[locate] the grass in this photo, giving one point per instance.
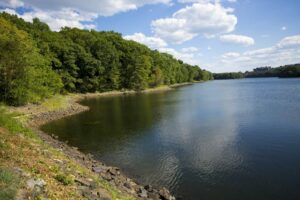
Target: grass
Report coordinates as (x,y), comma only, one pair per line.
(65,179)
(8,185)
(55,103)
(8,120)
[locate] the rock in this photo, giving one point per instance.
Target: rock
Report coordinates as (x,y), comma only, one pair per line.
(149,188)
(32,183)
(165,194)
(143,193)
(127,185)
(106,176)
(83,182)
(58,161)
(153,196)
(89,195)
(114,171)
(98,169)
(103,194)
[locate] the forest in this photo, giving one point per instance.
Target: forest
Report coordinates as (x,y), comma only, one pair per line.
(286,71)
(36,63)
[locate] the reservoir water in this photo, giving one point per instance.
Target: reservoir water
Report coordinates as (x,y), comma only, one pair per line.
(219,140)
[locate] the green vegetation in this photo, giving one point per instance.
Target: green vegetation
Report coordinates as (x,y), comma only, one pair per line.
(287,71)
(8,185)
(65,179)
(229,75)
(8,120)
(36,63)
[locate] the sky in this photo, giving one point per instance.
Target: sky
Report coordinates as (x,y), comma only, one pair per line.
(217,35)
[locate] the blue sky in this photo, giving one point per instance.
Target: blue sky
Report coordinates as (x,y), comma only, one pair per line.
(218,35)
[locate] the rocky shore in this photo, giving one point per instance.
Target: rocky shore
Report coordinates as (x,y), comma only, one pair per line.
(113,175)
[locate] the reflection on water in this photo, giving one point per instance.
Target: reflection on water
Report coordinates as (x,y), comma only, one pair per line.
(219,140)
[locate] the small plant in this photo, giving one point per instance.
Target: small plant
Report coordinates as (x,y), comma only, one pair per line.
(8,185)
(66,180)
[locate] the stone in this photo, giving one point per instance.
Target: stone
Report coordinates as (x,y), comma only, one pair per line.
(165,194)
(127,185)
(98,169)
(114,171)
(32,183)
(83,182)
(106,176)
(153,196)
(143,193)
(149,188)
(58,161)
(103,194)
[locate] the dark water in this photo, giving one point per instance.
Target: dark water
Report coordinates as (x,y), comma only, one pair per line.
(234,139)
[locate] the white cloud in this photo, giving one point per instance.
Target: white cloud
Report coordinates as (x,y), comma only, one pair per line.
(231,55)
(74,13)
(152,42)
(188,55)
(101,7)
(189,49)
(11,3)
(237,39)
(290,41)
(283,28)
(284,52)
(199,18)
(58,19)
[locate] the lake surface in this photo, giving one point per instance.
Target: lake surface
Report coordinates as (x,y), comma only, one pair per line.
(231,139)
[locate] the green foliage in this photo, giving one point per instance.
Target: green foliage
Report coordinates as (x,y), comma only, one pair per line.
(25,75)
(8,185)
(287,71)
(229,75)
(8,120)
(66,180)
(36,63)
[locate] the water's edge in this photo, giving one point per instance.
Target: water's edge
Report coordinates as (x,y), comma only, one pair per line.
(109,173)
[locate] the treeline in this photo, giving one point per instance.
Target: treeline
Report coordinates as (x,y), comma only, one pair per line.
(228,75)
(36,63)
(287,71)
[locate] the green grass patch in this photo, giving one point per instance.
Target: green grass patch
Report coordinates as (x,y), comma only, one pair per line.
(65,179)
(8,185)
(56,102)
(8,120)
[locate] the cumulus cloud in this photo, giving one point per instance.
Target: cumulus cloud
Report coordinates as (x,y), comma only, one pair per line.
(74,13)
(286,51)
(290,41)
(237,39)
(101,7)
(188,55)
(199,18)
(152,42)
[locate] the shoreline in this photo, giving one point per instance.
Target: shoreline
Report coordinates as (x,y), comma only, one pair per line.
(37,116)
